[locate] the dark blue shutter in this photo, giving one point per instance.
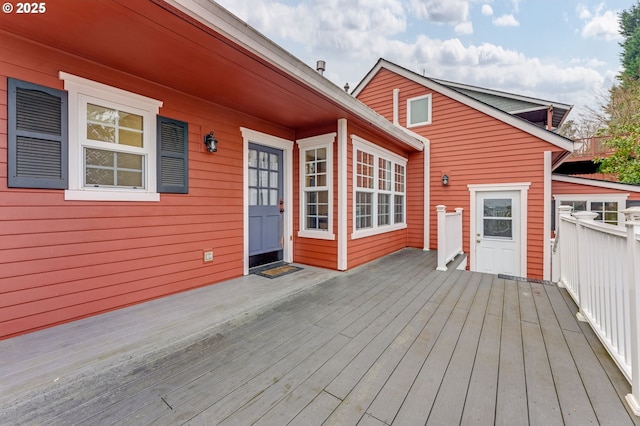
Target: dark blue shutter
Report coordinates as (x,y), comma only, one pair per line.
(38,136)
(173,156)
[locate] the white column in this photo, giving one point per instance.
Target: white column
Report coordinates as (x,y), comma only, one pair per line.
(342,194)
(632,217)
(441,211)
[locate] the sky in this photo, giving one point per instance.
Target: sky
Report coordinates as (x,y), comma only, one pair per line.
(559,50)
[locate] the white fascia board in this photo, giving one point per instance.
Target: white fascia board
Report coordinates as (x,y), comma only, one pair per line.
(505,117)
(239,32)
(596,183)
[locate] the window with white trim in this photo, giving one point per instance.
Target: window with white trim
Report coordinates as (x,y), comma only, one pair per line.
(379,189)
(112,143)
(316,187)
(608,206)
(419,111)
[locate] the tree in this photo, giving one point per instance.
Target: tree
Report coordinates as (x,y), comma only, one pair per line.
(623,127)
(623,109)
(630,31)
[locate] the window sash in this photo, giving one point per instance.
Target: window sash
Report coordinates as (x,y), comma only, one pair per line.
(379,192)
(419,111)
(316,181)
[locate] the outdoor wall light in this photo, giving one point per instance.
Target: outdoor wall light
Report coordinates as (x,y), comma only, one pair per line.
(211,142)
(445,180)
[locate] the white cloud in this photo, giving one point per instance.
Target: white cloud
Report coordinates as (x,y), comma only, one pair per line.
(600,24)
(583,12)
(444,11)
(351,37)
(506,21)
(589,62)
(487,10)
(464,28)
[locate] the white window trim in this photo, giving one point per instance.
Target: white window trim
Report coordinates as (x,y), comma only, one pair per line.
(360,144)
(621,199)
(80,90)
(422,123)
(321,141)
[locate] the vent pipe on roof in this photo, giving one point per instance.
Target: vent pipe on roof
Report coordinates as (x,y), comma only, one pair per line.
(320,67)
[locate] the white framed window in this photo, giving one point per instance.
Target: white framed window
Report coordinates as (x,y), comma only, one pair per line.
(316,187)
(608,206)
(112,143)
(378,189)
(419,111)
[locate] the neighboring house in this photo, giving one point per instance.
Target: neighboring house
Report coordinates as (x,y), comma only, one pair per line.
(110,197)
(484,157)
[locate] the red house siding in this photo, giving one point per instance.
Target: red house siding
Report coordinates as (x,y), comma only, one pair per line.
(64,260)
(471,148)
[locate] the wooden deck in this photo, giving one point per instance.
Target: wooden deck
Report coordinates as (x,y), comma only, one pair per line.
(394,342)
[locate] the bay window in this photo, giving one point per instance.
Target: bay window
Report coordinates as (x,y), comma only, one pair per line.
(379,189)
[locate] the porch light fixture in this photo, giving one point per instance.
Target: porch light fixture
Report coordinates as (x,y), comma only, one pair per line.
(211,142)
(445,180)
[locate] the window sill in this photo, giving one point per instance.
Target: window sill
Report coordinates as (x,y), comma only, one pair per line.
(106,195)
(363,233)
(318,235)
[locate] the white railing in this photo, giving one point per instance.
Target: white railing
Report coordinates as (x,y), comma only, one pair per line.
(449,236)
(600,268)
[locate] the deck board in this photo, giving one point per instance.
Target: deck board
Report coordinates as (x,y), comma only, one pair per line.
(511,405)
(573,398)
(393,342)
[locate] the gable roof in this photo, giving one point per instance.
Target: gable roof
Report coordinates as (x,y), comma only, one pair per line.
(474,102)
(531,109)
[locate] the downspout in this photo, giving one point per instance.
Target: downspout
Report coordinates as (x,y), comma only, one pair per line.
(396,97)
(550,118)
(427,193)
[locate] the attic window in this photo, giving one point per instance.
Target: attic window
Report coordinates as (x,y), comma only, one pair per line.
(419,111)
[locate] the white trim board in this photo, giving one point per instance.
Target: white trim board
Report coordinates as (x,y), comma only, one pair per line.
(286,146)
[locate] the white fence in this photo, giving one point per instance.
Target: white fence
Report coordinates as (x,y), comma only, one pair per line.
(449,235)
(600,268)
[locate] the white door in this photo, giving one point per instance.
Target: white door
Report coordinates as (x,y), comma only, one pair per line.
(497,236)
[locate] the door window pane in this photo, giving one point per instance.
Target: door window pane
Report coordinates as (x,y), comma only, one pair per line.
(498,222)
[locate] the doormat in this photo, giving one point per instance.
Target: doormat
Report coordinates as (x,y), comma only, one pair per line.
(275,270)
(530,280)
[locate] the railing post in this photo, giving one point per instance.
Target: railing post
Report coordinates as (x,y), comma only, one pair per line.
(583,276)
(632,217)
(441,212)
(564,211)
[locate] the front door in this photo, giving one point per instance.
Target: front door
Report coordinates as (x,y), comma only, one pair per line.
(266,205)
(497,236)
